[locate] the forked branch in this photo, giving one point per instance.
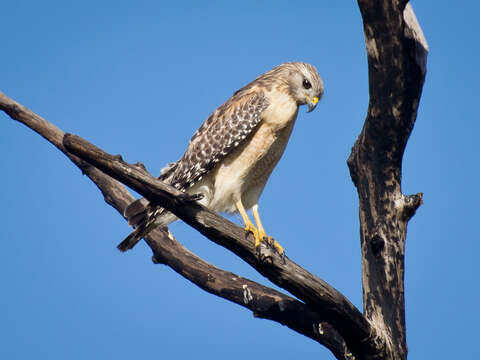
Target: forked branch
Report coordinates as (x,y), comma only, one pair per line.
(317,294)
(263,301)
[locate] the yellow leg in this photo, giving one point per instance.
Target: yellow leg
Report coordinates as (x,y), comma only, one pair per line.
(261,231)
(246,220)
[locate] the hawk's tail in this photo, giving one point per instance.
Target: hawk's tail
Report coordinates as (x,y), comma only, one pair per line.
(144,218)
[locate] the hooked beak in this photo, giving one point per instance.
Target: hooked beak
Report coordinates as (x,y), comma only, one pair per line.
(312,103)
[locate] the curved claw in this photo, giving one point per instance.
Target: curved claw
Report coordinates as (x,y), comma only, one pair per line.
(270,241)
(249,227)
(274,247)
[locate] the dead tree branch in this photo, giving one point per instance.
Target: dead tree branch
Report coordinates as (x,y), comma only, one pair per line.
(397,52)
(316,293)
(263,301)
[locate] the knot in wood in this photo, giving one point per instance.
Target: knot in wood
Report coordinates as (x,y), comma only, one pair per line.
(140,166)
(118,157)
(377,244)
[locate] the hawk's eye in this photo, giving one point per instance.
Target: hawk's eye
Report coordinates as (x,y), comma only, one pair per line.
(306,84)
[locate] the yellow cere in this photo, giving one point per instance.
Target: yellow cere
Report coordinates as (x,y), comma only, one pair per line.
(315,100)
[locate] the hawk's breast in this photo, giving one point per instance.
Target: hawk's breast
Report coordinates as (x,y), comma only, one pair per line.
(243,173)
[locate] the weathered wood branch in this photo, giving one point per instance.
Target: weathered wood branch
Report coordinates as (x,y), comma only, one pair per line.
(325,300)
(263,301)
(397,53)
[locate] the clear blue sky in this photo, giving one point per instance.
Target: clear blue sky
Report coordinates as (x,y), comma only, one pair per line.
(138,78)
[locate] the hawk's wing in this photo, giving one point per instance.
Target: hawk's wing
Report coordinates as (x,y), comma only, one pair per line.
(222,132)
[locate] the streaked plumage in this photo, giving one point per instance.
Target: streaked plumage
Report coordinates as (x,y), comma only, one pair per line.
(231,156)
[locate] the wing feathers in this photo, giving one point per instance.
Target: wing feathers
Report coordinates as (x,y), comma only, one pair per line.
(223,131)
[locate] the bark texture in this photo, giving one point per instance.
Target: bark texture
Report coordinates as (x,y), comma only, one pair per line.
(397,53)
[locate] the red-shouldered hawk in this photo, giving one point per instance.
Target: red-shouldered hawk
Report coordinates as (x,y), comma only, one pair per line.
(231,156)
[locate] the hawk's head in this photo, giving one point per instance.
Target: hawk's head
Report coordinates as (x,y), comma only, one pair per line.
(300,80)
(304,83)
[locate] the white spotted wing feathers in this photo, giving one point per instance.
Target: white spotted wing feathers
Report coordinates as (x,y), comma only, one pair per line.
(223,131)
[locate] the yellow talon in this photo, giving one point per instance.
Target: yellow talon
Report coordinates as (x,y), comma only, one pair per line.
(259,234)
(270,242)
(249,227)
(279,248)
(259,238)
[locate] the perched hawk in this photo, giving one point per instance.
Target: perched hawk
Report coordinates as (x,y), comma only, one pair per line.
(231,156)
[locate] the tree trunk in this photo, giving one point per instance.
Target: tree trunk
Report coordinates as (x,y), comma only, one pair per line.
(397,54)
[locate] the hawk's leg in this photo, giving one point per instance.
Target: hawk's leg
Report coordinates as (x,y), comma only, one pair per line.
(262,236)
(246,220)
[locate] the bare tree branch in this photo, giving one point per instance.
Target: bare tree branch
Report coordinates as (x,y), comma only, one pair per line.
(397,52)
(265,302)
(316,293)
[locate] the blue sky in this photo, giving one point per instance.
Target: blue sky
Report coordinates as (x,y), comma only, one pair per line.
(138,79)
